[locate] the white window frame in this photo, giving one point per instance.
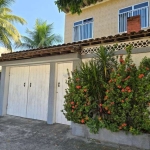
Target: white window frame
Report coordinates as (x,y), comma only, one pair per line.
(132,15)
(82,30)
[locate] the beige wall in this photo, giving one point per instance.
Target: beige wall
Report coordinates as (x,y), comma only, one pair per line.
(137,58)
(105,18)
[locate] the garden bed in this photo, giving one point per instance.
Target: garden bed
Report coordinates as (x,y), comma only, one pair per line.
(120,138)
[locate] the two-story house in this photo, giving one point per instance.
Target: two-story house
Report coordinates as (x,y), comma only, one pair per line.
(33,82)
(108,17)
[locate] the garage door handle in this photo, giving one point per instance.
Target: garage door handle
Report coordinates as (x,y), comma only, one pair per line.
(24,84)
(30,84)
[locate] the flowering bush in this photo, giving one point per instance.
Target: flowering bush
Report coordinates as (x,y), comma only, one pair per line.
(102,93)
(128,95)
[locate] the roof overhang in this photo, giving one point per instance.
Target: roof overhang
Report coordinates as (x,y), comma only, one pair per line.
(74,47)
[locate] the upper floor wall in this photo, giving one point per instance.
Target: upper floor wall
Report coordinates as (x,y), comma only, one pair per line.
(104,19)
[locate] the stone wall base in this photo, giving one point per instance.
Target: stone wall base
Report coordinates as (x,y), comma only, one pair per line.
(119,138)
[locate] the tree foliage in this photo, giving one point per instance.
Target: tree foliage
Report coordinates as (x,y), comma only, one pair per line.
(74,6)
(8,32)
(41,36)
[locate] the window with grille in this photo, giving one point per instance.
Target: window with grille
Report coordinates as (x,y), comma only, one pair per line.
(83,29)
(141,9)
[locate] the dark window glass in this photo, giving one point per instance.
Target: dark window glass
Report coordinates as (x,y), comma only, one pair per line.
(125,9)
(77,23)
(140,5)
(88,20)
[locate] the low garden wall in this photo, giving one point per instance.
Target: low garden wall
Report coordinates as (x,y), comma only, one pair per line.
(120,138)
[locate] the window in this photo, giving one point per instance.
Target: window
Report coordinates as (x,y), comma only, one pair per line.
(139,9)
(83,29)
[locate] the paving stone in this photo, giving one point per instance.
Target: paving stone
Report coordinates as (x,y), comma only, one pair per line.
(26,134)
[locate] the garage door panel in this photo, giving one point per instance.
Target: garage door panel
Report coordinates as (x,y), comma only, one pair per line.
(62,76)
(37,105)
(17,97)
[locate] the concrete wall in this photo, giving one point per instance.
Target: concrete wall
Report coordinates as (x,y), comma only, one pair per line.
(119,139)
(105,18)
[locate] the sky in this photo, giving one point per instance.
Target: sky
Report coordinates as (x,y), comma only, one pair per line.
(30,10)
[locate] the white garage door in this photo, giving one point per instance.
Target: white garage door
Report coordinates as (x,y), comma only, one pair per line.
(18,86)
(28,92)
(62,76)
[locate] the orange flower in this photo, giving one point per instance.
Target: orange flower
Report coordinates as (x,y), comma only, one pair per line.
(110,81)
(106,97)
(85,90)
(122,101)
(82,121)
(109,112)
(127,88)
(141,76)
(124,125)
(123,90)
(78,87)
(112,103)
(72,110)
(129,91)
(72,103)
(119,86)
(147,68)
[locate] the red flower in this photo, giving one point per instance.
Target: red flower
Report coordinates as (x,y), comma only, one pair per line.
(73,107)
(129,91)
(123,90)
(82,121)
(124,125)
(119,86)
(100,105)
(78,87)
(85,90)
(72,103)
(109,112)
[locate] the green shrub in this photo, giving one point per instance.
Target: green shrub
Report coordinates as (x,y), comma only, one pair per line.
(105,94)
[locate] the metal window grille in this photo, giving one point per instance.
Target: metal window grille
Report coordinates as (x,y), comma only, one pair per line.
(139,9)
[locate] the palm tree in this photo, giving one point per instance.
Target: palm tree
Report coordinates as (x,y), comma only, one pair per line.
(8,32)
(40,37)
